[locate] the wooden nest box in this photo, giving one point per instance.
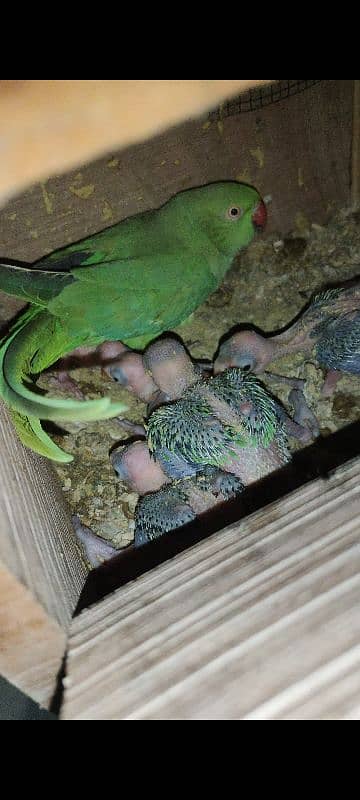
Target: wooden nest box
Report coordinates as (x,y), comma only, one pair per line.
(257,618)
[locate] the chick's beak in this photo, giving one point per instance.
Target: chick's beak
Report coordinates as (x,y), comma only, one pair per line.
(259,216)
(220,365)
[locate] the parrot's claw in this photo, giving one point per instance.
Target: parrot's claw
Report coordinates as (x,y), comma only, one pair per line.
(296,383)
(62,380)
(219,483)
(131,427)
(332,377)
(95,549)
(304,416)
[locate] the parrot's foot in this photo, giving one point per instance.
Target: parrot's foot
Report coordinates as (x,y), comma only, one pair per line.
(103,356)
(95,549)
(160,512)
(296,383)
(131,427)
(62,380)
(304,417)
(80,357)
(219,483)
(227,485)
(332,377)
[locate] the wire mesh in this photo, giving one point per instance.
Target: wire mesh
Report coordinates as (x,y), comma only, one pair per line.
(258,98)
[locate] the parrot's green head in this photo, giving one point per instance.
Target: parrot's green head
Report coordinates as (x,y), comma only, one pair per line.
(230,212)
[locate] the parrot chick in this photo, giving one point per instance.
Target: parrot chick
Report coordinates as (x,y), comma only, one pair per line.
(134,465)
(162,374)
(129,371)
(167,507)
(171,367)
(230,422)
(182,502)
(330,325)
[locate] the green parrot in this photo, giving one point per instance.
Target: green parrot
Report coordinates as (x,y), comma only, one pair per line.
(130,282)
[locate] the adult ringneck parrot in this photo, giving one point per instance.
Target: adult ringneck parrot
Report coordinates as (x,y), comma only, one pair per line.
(130,282)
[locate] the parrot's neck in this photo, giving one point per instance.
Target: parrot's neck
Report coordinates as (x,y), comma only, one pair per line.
(295,339)
(227,250)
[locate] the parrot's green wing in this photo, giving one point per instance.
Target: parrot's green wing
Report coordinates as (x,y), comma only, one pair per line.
(32,285)
(40,282)
(135,297)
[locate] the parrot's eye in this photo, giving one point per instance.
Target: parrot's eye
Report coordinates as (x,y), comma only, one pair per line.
(234,212)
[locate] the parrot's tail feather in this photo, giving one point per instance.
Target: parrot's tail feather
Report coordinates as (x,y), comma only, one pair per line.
(33,436)
(31,284)
(28,408)
(17,395)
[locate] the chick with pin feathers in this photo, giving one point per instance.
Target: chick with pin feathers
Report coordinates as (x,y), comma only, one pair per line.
(211,439)
(163,506)
(170,370)
(177,504)
(212,414)
(215,437)
(229,421)
(330,326)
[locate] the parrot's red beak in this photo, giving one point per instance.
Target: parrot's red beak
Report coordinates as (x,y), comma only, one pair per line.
(259,216)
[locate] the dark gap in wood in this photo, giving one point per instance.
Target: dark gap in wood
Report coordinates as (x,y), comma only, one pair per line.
(58,695)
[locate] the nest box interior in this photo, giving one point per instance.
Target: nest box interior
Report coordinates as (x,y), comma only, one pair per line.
(295,142)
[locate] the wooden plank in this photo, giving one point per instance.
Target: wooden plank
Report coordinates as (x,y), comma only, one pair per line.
(50,126)
(355,150)
(32,644)
(260,621)
(41,570)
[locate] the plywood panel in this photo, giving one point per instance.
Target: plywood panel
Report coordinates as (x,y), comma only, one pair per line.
(41,570)
(261,621)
